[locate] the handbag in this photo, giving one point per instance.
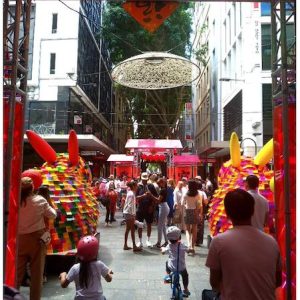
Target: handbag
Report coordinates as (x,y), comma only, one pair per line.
(177,216)
(46,237)
(210,295)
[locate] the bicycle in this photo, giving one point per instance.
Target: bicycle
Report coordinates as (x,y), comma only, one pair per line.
(175,286)
(174,279)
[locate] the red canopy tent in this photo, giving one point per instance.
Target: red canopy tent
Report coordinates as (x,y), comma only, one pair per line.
(121,165)
(157,148)
(185,166)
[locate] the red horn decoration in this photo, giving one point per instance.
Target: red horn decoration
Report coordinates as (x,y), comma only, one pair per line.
(73,147)
(43,149)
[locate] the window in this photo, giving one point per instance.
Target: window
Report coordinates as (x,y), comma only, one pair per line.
(234,18)
(229,28)
(52,63)
(42,116)
(233,118)
(54,23)
(265,9)
(266,46)
(267,112)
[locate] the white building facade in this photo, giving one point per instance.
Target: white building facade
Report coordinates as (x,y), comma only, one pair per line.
(239,64)
(69,83)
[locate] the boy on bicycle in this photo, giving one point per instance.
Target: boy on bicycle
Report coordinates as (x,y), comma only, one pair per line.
(176,261)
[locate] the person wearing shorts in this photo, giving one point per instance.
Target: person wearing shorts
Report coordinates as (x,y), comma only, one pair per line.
(192,201)
(146,207)
(129,215)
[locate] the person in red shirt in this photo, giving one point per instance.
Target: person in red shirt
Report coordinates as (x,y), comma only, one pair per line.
(96,189)
(112,195)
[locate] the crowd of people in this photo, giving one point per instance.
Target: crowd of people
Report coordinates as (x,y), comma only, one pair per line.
(244,262)
(156,200)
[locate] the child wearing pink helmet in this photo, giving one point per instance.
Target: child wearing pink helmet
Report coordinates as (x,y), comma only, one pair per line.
(87,273)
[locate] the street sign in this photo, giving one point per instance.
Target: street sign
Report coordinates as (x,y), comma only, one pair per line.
(150,14)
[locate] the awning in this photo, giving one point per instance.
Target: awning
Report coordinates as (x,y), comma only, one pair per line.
(186,160)
(120,158)
(151,144)
(86,142)
(214,149)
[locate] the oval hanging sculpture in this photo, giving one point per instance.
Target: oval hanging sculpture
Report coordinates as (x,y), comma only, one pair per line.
(155,71)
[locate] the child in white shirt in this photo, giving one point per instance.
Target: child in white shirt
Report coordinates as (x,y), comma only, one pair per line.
(176,261)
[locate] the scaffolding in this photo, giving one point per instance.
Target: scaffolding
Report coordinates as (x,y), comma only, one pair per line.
(284,94)
(16,26)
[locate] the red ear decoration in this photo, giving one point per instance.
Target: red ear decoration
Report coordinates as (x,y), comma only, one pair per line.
(73,148)
(42,148)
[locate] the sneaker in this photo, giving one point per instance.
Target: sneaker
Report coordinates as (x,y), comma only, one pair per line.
(148,243)
(139,224)
(139,244)
(185,294)
(167,279)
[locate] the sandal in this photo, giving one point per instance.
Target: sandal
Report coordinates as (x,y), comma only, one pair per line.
(157,245)
(127,248)
(137,249)
(186,293)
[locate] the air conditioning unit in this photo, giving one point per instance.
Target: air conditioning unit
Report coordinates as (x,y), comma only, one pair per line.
(255,125)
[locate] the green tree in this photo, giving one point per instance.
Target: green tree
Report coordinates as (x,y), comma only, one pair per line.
(157,112)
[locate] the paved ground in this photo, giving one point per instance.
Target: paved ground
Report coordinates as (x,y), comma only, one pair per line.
(136,276)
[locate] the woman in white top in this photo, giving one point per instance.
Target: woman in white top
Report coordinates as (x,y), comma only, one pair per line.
(129,213)
(192,201)
(179,209)
(33,210)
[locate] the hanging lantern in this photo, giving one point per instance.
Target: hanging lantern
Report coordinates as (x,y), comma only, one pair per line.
(155,71)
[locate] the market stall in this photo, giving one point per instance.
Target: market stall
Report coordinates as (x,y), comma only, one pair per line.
(121,165)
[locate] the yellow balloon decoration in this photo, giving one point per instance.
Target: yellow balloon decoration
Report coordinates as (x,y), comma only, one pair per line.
(231,176)
(265,154)
(235,151)
(272,184)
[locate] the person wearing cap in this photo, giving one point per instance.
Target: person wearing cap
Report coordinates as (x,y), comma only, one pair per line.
(111,178)
(176,262)
(88,272)
(146,207)
(261,208)
(33,209)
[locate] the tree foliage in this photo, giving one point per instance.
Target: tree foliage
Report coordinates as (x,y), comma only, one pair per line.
(157,112)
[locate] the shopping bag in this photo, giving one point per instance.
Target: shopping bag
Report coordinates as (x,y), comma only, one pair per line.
(177,217)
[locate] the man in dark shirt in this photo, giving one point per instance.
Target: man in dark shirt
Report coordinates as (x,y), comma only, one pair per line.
(146,207)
